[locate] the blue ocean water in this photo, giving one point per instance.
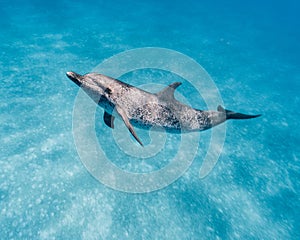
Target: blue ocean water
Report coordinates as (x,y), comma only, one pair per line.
(250,48)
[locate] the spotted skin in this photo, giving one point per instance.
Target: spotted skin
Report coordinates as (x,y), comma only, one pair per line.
(147,110)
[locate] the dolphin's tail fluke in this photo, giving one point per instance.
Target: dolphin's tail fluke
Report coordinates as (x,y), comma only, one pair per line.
(235,115)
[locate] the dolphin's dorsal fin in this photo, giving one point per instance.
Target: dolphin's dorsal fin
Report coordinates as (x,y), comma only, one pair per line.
(168,92)
(109,119)
(125,119)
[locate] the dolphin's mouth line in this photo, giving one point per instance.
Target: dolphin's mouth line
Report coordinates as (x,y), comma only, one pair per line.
(92,84)
(74,77)
(79,80)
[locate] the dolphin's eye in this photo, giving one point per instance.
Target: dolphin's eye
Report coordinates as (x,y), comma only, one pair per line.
(108,91)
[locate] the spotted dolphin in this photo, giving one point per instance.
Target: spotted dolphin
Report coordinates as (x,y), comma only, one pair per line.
(143,109)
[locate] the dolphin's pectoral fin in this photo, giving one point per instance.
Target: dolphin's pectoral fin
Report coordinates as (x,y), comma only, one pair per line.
(109,119)
(125,119)
(168,92)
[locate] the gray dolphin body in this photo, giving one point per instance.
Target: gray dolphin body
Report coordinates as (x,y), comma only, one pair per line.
(142,109)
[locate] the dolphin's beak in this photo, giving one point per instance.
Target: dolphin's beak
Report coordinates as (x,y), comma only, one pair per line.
(75,77)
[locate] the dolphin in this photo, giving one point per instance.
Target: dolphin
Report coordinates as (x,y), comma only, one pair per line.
(143,109)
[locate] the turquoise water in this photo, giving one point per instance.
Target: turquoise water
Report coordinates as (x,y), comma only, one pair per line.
(251,50)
